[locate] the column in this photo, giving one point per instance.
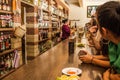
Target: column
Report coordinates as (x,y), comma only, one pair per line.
(32,32)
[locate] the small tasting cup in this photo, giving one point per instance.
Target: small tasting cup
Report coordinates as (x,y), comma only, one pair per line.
(81,53)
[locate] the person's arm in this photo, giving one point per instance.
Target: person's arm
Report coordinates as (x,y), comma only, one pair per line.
(99,62)
(101,57)
(114,76)
(95,61)
(106,75)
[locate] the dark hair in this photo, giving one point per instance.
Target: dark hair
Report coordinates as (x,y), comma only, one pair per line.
(92,16)
(104,46)
(64,21)
(108,16)
(94,23)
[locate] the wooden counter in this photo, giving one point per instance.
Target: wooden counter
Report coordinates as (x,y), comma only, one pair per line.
(49,65)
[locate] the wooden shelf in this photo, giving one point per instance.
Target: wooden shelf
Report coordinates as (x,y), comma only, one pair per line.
(6,29)
(11,71)
(54,27)
(46,19)
(55,20)
(8,51)
(45,10)
(43,40)
(6,12)
(1,77)
(44,28)
(27,3)
(55,14)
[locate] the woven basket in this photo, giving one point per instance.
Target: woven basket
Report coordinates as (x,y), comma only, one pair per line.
(15,43)
(20,31)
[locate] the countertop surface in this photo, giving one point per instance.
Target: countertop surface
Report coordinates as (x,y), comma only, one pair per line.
(49,65)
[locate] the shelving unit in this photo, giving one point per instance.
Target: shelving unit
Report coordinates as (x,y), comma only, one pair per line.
(8,51)
(55,15)
(6,29)
(46,28)
(6,12)
(7,74)
(7,54)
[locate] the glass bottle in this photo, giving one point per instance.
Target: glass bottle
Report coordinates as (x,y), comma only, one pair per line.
(9,41)
(2,65)
(0,4)
(4,4)
(2,41)
(7,6)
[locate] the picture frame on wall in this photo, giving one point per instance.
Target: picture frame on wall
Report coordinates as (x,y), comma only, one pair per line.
(91,10)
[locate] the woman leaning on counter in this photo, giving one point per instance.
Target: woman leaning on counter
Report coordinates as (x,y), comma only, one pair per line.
(100,45)
(108,18)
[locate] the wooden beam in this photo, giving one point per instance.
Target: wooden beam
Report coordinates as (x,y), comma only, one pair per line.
(80,3)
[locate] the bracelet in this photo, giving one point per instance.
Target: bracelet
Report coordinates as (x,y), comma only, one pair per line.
(92,59)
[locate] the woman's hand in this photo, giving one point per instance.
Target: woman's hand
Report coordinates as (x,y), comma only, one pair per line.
(106,75)
(86,58)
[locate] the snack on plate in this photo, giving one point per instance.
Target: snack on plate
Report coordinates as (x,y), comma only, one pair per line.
(80,45)
(64,77)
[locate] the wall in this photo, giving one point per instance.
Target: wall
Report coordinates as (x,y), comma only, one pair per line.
(80,13)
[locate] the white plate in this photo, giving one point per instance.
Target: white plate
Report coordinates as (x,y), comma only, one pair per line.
(74,71)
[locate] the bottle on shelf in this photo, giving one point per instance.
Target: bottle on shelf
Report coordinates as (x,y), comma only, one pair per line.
(4,5)
(9,41)
(2,42)
(7,5)
(0,4)
(12,60)
(2,21)
(6,21)
(2,65)
(6,42)
(6,63)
